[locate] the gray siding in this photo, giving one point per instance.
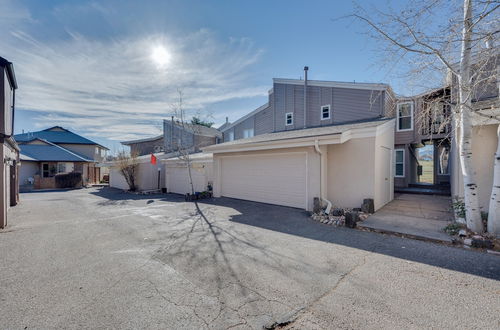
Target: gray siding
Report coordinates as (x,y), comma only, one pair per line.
(264,121)
(346,104)
(225,135)
(246,124)
(177,138)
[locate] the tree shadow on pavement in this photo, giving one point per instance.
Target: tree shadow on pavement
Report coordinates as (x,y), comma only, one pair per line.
(205,232)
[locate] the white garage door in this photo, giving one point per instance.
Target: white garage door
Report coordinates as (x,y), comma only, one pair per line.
(272,178)
(178,180)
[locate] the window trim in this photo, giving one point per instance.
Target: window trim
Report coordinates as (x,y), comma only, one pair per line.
(329,112)
(286,118)
(48,170)
(396,162)
(411,116)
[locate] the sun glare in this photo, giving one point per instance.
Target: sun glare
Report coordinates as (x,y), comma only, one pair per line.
(160,56)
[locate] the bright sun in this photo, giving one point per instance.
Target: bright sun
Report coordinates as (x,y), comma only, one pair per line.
(160,56)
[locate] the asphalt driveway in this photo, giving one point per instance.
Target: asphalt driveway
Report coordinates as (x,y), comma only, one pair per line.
(100,258)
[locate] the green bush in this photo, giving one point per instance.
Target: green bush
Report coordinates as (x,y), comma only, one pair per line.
(459,207)
(68,180)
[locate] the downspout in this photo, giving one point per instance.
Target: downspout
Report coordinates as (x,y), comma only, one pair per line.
(305,95)
(328,203)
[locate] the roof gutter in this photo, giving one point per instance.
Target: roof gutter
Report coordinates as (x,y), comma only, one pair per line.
(328,203)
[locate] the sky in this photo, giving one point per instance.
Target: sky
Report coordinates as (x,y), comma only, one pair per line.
(111,70)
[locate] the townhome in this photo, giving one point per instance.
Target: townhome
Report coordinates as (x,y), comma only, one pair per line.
(422,143)
(312,139)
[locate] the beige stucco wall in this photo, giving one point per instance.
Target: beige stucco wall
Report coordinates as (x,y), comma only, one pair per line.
(147,177)
(86,150)
(28,169)
(6,152)
(351,172)
(484,144)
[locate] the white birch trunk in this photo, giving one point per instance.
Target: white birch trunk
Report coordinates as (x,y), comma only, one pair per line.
(494,208)
(472,212)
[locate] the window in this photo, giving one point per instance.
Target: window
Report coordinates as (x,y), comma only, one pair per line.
(405,116)
(248,133)
(325,112)
(289,118)
(97,150)
(61,167)
(45,170)
(399,163)
(231,136)
(48,170)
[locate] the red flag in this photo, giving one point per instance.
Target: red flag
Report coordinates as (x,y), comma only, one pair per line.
(153,159)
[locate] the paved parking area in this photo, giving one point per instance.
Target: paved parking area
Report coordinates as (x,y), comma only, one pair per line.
(100,258)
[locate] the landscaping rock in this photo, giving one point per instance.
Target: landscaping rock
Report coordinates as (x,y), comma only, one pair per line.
(350,219)
(482,243)
(462,233)
(368,206)
(468,241)
(337,212)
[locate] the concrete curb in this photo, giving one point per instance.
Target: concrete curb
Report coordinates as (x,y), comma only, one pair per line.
(404,235)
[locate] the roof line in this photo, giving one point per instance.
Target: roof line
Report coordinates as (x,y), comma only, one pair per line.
(327,83)
(142,140)
(68,151)
(248,115)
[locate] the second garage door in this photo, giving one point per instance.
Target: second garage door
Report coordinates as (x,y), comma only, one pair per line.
(178,180)
(269,178)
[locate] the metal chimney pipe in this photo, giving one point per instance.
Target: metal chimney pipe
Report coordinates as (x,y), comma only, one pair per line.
(172,133)
(305,95)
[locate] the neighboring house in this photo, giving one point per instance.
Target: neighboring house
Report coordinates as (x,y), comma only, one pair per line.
(42,160)
(146,146)
(176,137)
(9,153)
(322,139)
(58,150)
(188,137)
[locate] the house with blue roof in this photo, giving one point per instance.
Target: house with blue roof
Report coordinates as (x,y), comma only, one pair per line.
(55,150)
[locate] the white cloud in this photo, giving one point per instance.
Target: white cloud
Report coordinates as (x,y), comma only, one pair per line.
(110,87)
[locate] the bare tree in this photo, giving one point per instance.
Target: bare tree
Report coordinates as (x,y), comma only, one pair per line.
(453,45)
(183,145)
(128,166)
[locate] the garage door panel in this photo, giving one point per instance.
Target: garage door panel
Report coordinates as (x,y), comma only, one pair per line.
(178,180)
(274,179)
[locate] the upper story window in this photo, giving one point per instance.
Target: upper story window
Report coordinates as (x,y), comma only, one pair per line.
(405,116)
(399,163)
(325,112)
(289,118)
(248,133)
(230,136)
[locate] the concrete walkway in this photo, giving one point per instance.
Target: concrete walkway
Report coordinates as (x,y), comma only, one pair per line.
(421,216)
